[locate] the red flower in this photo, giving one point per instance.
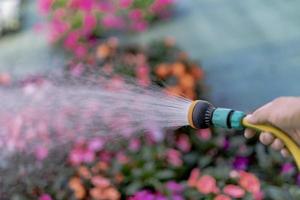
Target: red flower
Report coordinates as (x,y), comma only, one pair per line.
(174,157)
(125,3)
(195,174)
(90,22)
(204,134)
(45,197)
(183,143)
(136,15)
(222,197)
(234,191)
(112,21)
(258,195)
(207,184)
(249,182)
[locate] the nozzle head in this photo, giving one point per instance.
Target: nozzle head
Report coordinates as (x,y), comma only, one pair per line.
(200,113)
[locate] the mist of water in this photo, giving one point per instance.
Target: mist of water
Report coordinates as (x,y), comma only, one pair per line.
(52,114)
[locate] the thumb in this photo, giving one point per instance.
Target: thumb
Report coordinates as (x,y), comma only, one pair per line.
(261,115)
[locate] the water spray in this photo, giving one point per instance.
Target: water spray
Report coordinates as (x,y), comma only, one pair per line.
(202,114)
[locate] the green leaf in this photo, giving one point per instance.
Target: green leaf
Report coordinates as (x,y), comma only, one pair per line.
(142,3)
(133,187)
(165,174)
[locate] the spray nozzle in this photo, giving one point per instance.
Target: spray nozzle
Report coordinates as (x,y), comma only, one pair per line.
(203,114)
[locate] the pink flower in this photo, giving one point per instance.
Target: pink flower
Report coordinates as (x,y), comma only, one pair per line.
(89,23)
(85,5)
(159,5)
(122,158)
(139,26)
(111,21)
(222,197)
(136,15)
(45,197)
(174,157)
(88,156)
(204,134)
(44,6)
(57,29)
(125,3)
(249,182)
(76,156)
(80,51)
(96,144)
(105,156)
(287,168)
(106,6)
(77,70)
(234,191)
(71,40)
(258,195)
(100,181)
(207,184)
(174,187)
(183,143)
(142,73)
(41,153)
(194,176)
(135,144)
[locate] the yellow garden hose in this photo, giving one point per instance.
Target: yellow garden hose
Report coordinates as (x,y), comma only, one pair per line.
(293,148)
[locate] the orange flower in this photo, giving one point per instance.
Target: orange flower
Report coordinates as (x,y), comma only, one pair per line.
(249,182)
(100,181)
(178,69)
(96,193)
(162,70)
(187,82)
(105,194)
(190,94)
(103,51)
(207,184)
(234,191)
(103,166)
(84,172)
(112,194)
(100,166)
(222,197)
(76,185)
(119,178)
(195,174)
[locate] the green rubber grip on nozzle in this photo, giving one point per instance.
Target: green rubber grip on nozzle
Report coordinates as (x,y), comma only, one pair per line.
(236,120)
(220,116)
(227,118)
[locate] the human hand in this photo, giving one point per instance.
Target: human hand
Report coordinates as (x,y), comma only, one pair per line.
(284,113)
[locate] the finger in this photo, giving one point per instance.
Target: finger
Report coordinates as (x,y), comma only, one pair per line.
(249,133)
(284,152)
(261,115)
(266,138)
(277,144)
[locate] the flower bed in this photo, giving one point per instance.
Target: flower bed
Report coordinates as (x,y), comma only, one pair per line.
(185,164)
(78,23)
